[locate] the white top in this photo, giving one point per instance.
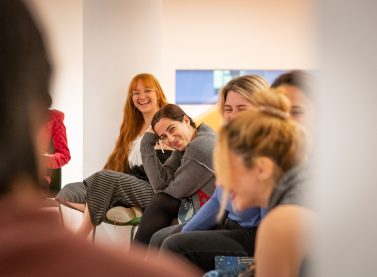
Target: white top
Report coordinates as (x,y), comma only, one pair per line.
(134,158)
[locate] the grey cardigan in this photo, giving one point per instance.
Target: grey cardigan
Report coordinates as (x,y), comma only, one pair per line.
(184,173)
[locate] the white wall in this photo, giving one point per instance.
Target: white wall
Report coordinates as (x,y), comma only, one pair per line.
(100,45)
(62,21)
(237,34)
(121,39)
(347,153)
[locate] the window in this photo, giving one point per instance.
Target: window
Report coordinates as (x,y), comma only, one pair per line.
(202,86)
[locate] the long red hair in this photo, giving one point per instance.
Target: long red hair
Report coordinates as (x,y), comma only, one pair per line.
(132,123)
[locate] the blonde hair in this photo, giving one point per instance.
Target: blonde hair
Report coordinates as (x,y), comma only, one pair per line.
(245,85)
(132,123)
(267,131)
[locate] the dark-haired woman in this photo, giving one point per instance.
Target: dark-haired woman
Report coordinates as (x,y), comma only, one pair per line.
(185,179)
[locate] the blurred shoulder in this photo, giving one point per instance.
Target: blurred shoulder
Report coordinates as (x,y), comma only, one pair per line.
(283,240)
(286,221)
(56,114)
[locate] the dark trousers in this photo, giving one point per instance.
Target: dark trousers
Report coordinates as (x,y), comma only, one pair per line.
(159,214)
(201,247)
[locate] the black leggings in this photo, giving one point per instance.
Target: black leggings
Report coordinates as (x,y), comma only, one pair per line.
(159,214)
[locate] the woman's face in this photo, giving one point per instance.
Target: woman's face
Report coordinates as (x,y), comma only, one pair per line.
(243,183)
(145,98)
(249,186)
(175,134)
(300,104)
(234,104)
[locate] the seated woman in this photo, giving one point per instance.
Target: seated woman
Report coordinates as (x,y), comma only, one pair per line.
(33,241)
(187,175)
(258,161)
(55,153)
(112,186)
(296,85)
(203,238)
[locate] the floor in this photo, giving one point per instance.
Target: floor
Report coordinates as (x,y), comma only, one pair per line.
(107,235)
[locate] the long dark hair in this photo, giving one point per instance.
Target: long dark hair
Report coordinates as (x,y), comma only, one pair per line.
(24,79)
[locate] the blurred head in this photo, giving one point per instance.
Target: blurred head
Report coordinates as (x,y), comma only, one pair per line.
(237,95)
(296,86)
(174,127)
(145,96)
(256,148)
(24,100)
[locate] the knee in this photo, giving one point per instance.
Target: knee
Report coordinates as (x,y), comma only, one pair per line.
(157,239)
(173,243)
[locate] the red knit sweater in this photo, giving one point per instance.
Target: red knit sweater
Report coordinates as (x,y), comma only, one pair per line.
(55,132)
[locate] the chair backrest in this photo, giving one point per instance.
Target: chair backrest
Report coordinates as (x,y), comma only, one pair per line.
(211,117)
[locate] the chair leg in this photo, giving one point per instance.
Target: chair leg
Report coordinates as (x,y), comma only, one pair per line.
(133,232)
(60,213)
(94,234)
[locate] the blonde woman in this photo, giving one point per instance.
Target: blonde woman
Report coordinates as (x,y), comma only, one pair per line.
(201,239)
(258,160)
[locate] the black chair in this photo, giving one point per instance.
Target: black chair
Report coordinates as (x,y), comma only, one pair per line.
(56,176)
(56,182)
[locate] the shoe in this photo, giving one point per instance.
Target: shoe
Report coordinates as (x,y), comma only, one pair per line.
(120,214)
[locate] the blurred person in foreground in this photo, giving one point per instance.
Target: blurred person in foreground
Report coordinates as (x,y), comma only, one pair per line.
(33,242)
(260,160)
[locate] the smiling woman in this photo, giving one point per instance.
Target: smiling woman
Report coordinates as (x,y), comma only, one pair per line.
(203,238)
(174,127)
(33,240)
(259,159)
(120,182)
(187,175)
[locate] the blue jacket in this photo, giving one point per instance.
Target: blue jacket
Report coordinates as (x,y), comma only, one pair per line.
(205,218)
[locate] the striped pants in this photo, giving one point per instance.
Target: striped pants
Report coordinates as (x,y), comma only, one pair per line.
(106,189)
(73,192)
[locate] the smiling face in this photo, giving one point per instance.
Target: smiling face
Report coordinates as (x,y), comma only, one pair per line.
(234,104)
(145,98)
(175,134)
(250,186)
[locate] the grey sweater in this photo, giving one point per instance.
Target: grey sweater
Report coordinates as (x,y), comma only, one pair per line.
(184,173)
(290,189)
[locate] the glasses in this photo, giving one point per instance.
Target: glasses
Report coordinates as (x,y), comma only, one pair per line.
(146,92)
